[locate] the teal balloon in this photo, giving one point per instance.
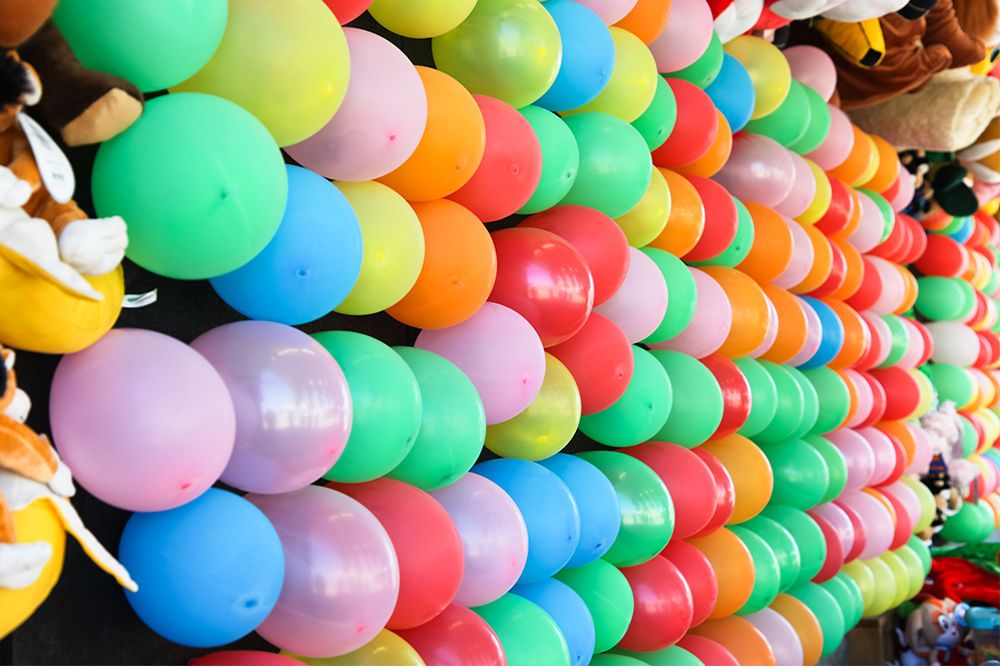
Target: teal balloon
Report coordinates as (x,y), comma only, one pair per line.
(819,124)
(801,478)
(560,159)
(848,597)
(941,298)
(922,551)
(672,655)
(836,466)
(640,412)
(738,250)
(824,606)
(763,396)
(810,403)
(683,295)
(970,439)
(972,524)
(529,636)
(789,122)
(834,399)
(697,410)
(767,571)
(782,545)
(807,535)
(702,72)
(658,120)
(196,208)
(790,410)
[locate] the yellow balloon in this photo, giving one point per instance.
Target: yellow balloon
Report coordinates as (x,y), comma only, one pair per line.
(900,578)
(387,648)
(768,69)
(285,62)
(648,218)
(873,162)
(928,507)
(991,207)
(991,424)
(927,394)
(421,18)
(821,202)
(393,247)
(37,522)
(632,83)
(863,577)
(546,425)
(885,588)
(914,570)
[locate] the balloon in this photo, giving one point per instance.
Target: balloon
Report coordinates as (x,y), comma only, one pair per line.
(697,571)
(952,383)
(588,56)
(740,246)
(695,129)
(615,659)
(899,577)
(763,396)
(767,68)
(914,570)
(733,566)
(954,343)
(732,93)
(99,407)
(632,85)
(647,219)
(715,158)
(615,165)
(790,409)
(802,194)
(687,478)
(560,159)
(426,543)
(802,259)
(813,67)
(858,455)
(824,606)
(810,403)
(686,222)
(971,524)
(708,651)
(876,519)
(780,635)
(831,334)
(749,308)
(712,321)
(656,123)
(336,580)
(758,170)
(685,37)
(493,534)
(834,398)
(528,634)
(837,146)
(672,655)
(738,636)
(696,412)
(836,466)
(682,293)
(245,658)
(428,19)
(920,548)
(387,648)
(647,511)
(725,493)
(767,573)
(608,596)
(942,298)
(646,19)
(783,545)
(735,392)
(819,124)
(569,612)
(663,606)
(640,304)
(508,50)
(456,636)
(807,535)
(750,471)
(600,359)
(640,412)
(804,622)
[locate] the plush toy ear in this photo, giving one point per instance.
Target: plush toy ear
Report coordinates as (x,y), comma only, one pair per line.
(20,19)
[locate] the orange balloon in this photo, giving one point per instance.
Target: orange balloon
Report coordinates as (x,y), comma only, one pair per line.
(687,216)
(753,479)
(710,163)
(936,219)
(792,325)
(855,220)
(771,251)
(460,266)
(910,283)
(854,271)
(733,567)
(452,145)
(822,261)
(858,159)
(993,500)
(888,166)
(750,311)
(873,162)
(903,435)
(647,19)
(804,622)
(852,391)
(740,637)
(857,339)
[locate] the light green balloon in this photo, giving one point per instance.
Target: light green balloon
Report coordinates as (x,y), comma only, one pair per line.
(613,659)
(683,295)
(608,596)
(819,124)
(640,412)
(560,159)
(834,398)
(824,606)
(783,544)
(702,72)
(801,477)
(672,655)
(789,122)
(923,552)
(740,246)
(529,636)
(657,121)
(790,410)
(763,396)
(697,410)
(767,571)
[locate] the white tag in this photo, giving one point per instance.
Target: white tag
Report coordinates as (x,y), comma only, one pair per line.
(53,165)
(139,300)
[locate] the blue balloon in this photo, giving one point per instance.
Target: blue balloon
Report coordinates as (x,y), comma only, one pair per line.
(209,572)
(309,266)
(588,56)
(832,339)
(570,613)
(732,93)
(596,502)
(548,509)
(964,231)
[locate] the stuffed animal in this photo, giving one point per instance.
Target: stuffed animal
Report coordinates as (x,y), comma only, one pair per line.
(948,478)
(35,511)
(932,633)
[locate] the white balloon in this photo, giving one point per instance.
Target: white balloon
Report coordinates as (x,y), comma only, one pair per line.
(954,343)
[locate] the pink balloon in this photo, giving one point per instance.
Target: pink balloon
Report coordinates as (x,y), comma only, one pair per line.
(881,331)
(293,405)
(869,232)
(924,452)
(780,634)
(814,334)
(803,189)
(879,528)
(610,11)
(685,37)
(713,317)
(813,67)
(143,421)
(907,497)
(772,331)
(839,521)
(640,303)
(857,454)
(500,353)
(494,537)
(835,556)
(250,658)
(759,169)
(915,352)
(802,257)
(341,573)
(884,452)
(838,143)
(866,399)
(904,193)
(893,288)
(380,121)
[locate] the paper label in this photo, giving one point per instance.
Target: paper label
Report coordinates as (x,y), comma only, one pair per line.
(53,165)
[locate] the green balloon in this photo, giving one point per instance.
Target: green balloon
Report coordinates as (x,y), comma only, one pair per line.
(848,596)
(955,224)
(640,412)
(657,121)
(615,164)
(923,552)
(885,208)
(807,535)
(863,578)
(885,588)
(914,570)
(972,524)
(697,411)
(940,298)
(672,655)
(827,612)
(767,571)
(763,396)
(969,437)
(782,544)
(810,403)
(993,283)
(453,425)
(528,635)
(738,250)
(790,406)
(683,295)
(952,383)
(702,72)
(836,466)
(646,508)
(387,406)
(801,478)
(152,50)
(900,340)
(560,159)
(789,122)
(195,208)
(819,124)
(608,596)
(612,659)
(834,398)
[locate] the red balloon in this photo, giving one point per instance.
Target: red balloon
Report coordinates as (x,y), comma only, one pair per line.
(928,342)
(838,274)
(511,166)
(878,402)
(595,236)
(690,482)
(894,245)
(834,549)
(980,311)
(918,239)
(707,650)
(426,542)
(251,658)
(721,219)
(697,571)
(875,347)
(869,291)
(904,526)
(544,279)
(860,534)
(902,393)
(456,636)
(663,606)
(901,464)
(725,493)
(347,10)
(943,256)
(599,358)
(694,131)
(841,208)
(735,394)
(985,251)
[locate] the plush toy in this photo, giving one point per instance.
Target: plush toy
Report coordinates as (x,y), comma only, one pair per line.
(35,511)
(949,477)
(932,633)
